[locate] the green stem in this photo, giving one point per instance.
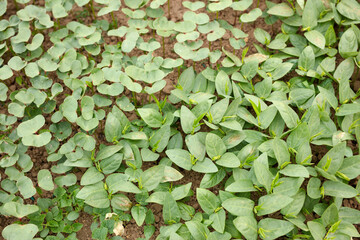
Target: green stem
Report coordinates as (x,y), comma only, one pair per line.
(258,3)
(58,23)
(168,4)
(134,98)
(163,46)
(242,25)
(114,20)
(16,5)
(217,15)
(209,46)
(92,9)
(178,72)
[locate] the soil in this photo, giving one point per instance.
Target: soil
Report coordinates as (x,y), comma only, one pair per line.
(39,155)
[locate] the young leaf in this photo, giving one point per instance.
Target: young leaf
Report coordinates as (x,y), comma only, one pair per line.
(215,147)
(208,201)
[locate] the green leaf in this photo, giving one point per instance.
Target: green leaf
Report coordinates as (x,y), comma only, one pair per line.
(307,59)
(180,157)
(160,139)
(30,126)
(16,63)
(274,228)
(339,189)
(348,109)
(205,166)
(251,16)
(171,212)
(18,210)
(316,38)
(187,119)
(218,220)
(187,79)
(197,230)
(219,5)
(281,10)
(317,230)
(272,203)
(228,160)
(351,167)
(91,176)
(348,44)
(151,117)
(262,36)
(262,172)
(215,146)
(247,225)
(349,9)
(208,201)
(87,107)
(242,185)
(119,182)
(20,232)
(5,72)
(67,180)
(212,179)
(37,140)
(223,84)
(333,159)
(152,177)
(281,151)
(193,6)
(139,214)
(349,215)
(330,97)
(310,15)
(289,116)
(239,206)
(330,36)
(294,170)
(3,7)
(330,215)
(45,180)
(26,187)
(108,151)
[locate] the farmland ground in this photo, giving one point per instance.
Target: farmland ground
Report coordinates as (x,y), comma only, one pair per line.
(39,155)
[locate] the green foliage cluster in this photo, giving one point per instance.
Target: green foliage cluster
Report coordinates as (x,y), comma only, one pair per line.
(249,124)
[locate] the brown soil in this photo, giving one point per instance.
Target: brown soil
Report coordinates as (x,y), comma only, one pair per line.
(39,155)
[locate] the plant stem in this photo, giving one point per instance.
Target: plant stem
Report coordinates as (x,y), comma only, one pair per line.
(16,5)
(235,18)
(242,25)
(114,20)
(168,4)
(163,46)
(92,9)
(58,23)
(258,3)
(134,98)
(217,15)
(178,72)
(209,46)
